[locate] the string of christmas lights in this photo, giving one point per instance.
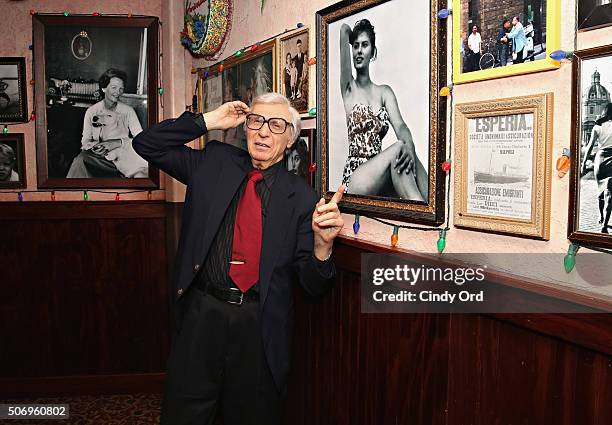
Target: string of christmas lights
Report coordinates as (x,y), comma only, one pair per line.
(6,130)
(53,196)
(218,67)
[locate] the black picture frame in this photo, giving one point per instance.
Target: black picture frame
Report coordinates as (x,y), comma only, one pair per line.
(13,91)
(583,227)
(431,209)
(67,87)
(592,16)
(16,148)
(307,165)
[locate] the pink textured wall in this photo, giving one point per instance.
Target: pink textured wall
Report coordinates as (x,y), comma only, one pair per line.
(17,36)
(251,25)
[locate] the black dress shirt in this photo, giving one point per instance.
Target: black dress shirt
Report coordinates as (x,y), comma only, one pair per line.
(215,269)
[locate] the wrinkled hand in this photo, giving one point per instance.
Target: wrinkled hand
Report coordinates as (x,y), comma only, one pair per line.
(229,115)
(405,158)
(326,224)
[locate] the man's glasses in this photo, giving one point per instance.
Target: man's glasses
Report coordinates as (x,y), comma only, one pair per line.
(276,125)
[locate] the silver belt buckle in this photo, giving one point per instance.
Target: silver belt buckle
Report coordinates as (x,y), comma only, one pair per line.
(241,296)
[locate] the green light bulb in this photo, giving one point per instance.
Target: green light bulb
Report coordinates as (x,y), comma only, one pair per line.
(442,241)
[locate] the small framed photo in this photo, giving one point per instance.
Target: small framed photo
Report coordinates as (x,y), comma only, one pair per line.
(13,94)
(96,88)
(499,39)
(12,161)
(593,14)
(590,206)
(244,78)
(293,68)
(210,97)
(503,165)
(301,158)
(381,124)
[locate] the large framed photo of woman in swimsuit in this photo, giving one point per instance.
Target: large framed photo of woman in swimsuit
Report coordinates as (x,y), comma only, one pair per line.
(590,204)
(380,122)
(96,88)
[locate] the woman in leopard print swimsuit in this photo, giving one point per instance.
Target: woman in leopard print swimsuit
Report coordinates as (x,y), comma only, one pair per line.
(370,110)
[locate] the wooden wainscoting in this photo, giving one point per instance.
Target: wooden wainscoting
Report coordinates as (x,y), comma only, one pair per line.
(85,297)
(452,369)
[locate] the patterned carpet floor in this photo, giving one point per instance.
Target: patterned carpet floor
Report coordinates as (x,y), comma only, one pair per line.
(128,409)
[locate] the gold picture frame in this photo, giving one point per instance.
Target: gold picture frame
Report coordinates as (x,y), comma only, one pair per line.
(413,80)
(545,35)
(287,45)
(503,165)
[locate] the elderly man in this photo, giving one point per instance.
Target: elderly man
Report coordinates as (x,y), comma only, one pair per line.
(249,229)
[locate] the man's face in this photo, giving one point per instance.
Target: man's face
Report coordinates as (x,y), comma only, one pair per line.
(267,148)
(299,46)
(507,25)
(474,29)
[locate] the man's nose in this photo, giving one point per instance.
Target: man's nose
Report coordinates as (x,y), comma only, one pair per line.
(264,130)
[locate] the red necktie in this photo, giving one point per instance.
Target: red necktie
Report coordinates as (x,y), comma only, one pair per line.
(246,247)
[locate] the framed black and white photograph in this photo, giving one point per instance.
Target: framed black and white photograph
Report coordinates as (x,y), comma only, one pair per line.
(493,39)
(300,158)
(381,124)
(210,95)
(244,78)
(593,14)
(13,94)
(96,88)
(293,68)
(590,206)
(12,161)
(503,165)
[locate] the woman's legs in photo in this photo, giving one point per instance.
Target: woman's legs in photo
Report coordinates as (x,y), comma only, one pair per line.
(88,164)
(371,177)
(608,196)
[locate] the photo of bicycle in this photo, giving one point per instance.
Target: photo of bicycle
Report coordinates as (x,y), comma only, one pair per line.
(502,34)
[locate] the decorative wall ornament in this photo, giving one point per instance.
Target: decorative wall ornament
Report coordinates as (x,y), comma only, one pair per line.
(81,46)
(207,27)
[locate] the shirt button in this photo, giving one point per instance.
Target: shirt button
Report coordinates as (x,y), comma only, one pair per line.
(180,292)
(196,268)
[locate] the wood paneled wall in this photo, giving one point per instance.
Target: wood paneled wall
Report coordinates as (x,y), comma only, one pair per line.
(84,292)
(85,309)
(451,369)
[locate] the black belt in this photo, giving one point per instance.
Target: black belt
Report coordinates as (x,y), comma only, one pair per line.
(232,295)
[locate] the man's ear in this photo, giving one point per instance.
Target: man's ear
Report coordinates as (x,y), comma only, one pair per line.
(291,142)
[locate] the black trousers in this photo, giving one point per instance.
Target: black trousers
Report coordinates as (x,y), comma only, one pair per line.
(519,57)
(217,363)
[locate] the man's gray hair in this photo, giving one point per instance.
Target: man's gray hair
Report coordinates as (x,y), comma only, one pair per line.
(279,99)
